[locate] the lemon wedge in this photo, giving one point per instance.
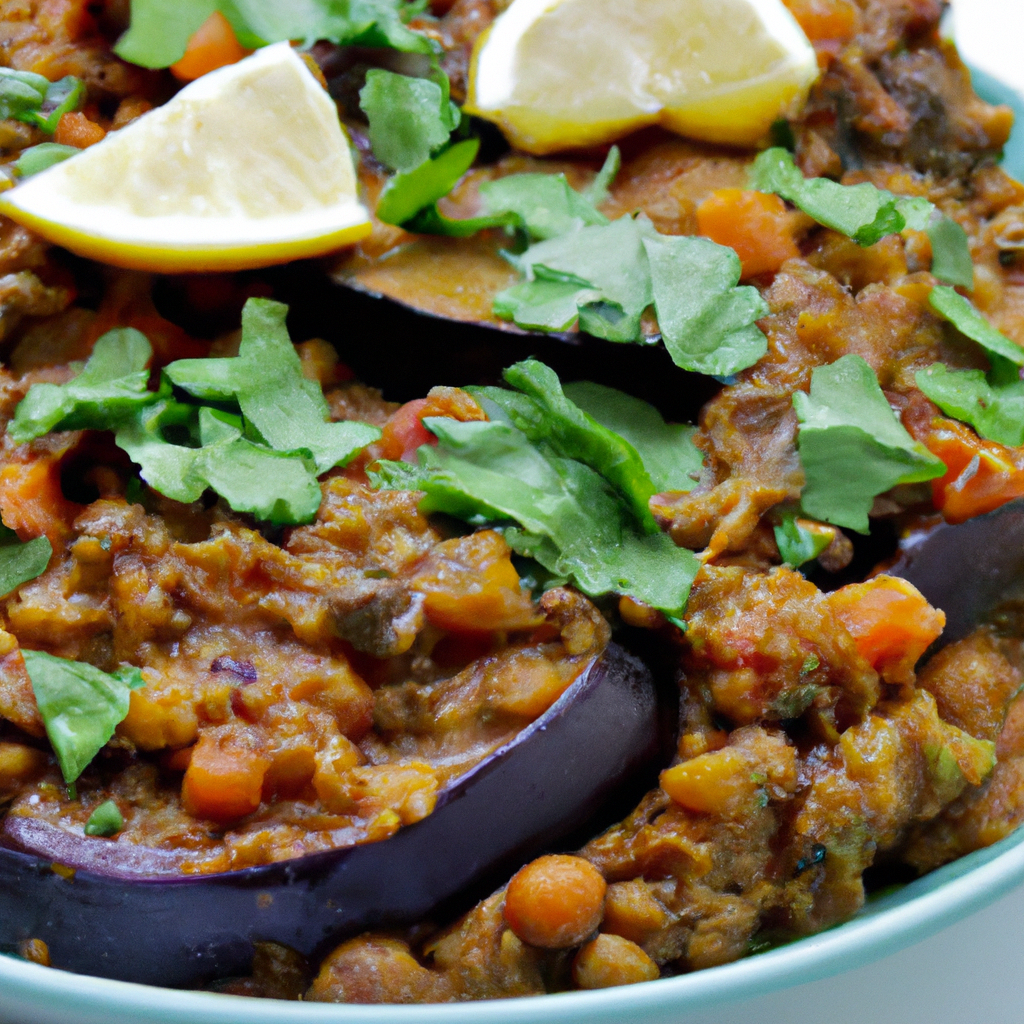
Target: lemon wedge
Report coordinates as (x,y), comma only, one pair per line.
(558,74)
(245,167)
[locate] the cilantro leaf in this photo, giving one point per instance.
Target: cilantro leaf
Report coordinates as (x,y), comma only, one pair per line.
(864,213)
(21,92)
(544,204)
(951,253)
(963,315)
(105,821)
(543,305)
(21,561)
(80,706)
(112,384)
(609,260)
(599,189)
(410,192)
(283,407)
(278,487)
(409,118)
(36,159)
(993,405)
(548,417)
(61,98)
(708,324)
(851,445)
(797,541)
(570,520)
(671,458)
(160,29)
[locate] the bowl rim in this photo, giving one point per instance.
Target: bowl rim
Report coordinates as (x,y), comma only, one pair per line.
(886,925)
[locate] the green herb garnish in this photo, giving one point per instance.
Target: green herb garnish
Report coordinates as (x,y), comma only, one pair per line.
(414,192)
(963,315)
(951,253)
(851,445)
(992,403)
(160,29)
(21,561)
(410,118)
(36,100)
(80,706)
(105,821)
(570,518)
(797,544)
(109,387)
(39,158)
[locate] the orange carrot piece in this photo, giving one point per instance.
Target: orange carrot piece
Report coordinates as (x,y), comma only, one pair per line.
(981,475)
(32,502)
(75,129)
(891,623)
(213,45)
(224,780)
(825,19)
(755,224)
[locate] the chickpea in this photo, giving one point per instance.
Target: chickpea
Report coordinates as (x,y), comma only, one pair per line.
(555,902)
(610,960)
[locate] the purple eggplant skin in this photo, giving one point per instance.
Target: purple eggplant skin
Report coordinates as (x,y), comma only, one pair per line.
(110,921)
(967,570)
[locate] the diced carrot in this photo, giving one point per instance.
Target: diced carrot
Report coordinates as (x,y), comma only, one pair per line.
(213,45)
(755,224)
(890,622)
(981,475)
(826,19)
(75,129)
(32,502)
(469,583)
(224,779)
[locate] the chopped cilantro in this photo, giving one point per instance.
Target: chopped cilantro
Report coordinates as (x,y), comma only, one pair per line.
(708,324)
(409,193)
(80,706)
(105,821)
(963,315)
(160,29)
(31,98)
(21,561)
(671,458)
(544,204)
(111,385)
(797,541)
(607,276)
(993,404)
(285,409)
(576,522)
(600,188)
(409,118)
(851,445)
(867,214)
(951,253)
(36,159)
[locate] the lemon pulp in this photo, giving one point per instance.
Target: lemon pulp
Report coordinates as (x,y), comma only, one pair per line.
(245,167)
(558,74)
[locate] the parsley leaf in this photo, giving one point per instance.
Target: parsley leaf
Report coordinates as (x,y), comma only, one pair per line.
(283,407)
(608,260)
(21,562)
(570,520)
(669,455)
(798,541)
(708,324)
(112,384)
(993,405)
(105,821)
(409,193)
(278,487)
(36,159)
(31,98)
(545,205)
(963,315)
(409,117)
(540,409)
(851,445)
(160,29)
(80,706)
(951,253)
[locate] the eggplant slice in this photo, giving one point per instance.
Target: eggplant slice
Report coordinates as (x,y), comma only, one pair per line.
(108,910)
